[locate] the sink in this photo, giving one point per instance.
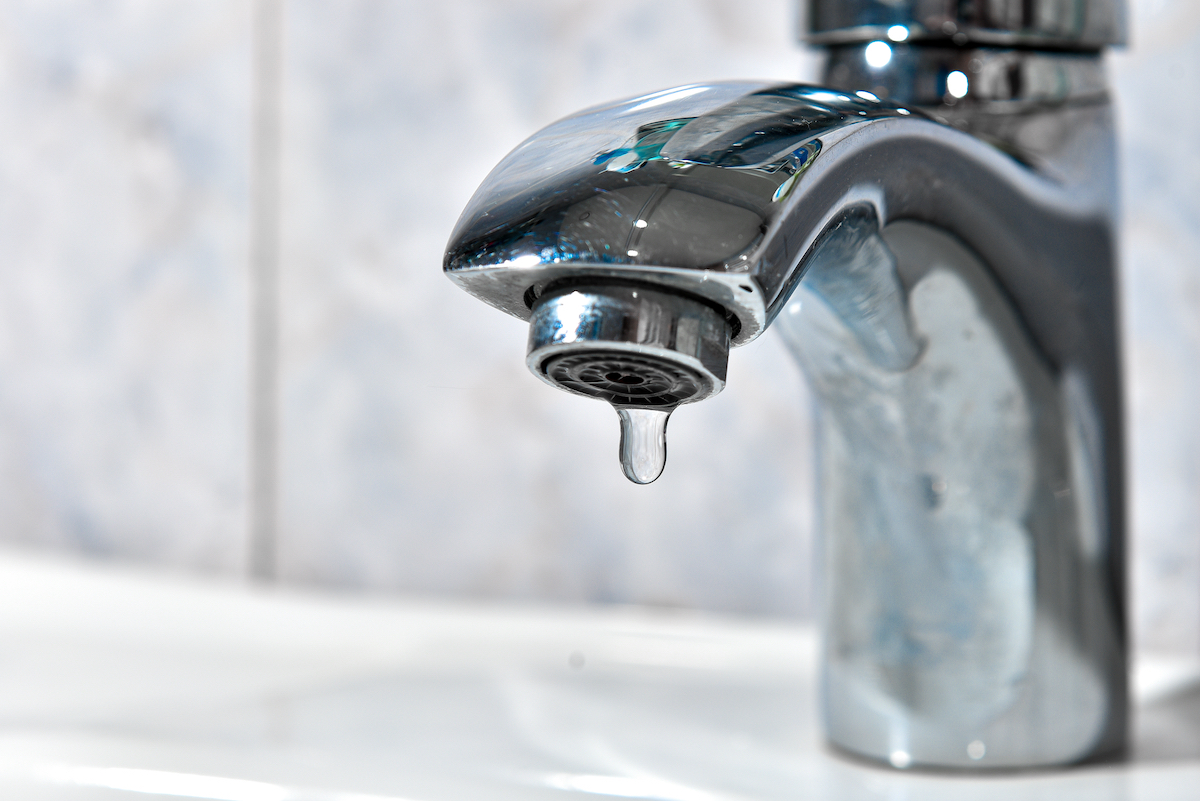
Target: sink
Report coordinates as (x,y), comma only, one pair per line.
(116,684)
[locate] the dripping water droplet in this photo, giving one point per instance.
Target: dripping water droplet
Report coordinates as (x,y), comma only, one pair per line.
(643,443)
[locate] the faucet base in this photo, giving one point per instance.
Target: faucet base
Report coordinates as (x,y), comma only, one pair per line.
(967,618)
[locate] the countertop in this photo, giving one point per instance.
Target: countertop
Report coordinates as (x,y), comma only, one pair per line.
(118,684)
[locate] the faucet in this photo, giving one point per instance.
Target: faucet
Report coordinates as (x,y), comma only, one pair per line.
(933,232)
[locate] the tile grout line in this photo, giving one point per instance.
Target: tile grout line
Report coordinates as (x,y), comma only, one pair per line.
(265,177)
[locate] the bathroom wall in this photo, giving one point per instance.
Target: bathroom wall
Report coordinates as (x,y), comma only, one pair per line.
(226,345)
(1156,81)
(123,300)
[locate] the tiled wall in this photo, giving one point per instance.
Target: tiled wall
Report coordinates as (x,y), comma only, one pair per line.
(143,244)
(123,235)
(1156,82)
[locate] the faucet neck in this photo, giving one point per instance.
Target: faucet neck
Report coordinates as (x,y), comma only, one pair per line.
(1049,110)
(1026,76)
(1079,25)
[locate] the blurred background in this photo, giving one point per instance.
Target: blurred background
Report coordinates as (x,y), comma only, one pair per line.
(226,345)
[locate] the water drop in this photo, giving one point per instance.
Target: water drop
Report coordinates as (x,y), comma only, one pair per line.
(643,443)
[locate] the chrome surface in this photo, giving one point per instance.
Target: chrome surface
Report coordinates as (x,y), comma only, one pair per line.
(925,75)
(945,274)
(683,189)
(1051,111)
(1066,24)
(643,350)
(631,346)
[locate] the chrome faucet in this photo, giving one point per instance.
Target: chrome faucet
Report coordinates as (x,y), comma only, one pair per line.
(933,232)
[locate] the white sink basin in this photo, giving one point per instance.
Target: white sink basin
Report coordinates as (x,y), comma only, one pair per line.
(119,685)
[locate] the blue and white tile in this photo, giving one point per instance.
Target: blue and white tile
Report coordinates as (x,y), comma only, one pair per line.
(123,164)
(1155,81)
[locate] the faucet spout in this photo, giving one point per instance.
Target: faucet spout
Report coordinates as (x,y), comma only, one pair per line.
(950,298)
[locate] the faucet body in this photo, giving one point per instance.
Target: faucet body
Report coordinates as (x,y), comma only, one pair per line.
(945,276)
